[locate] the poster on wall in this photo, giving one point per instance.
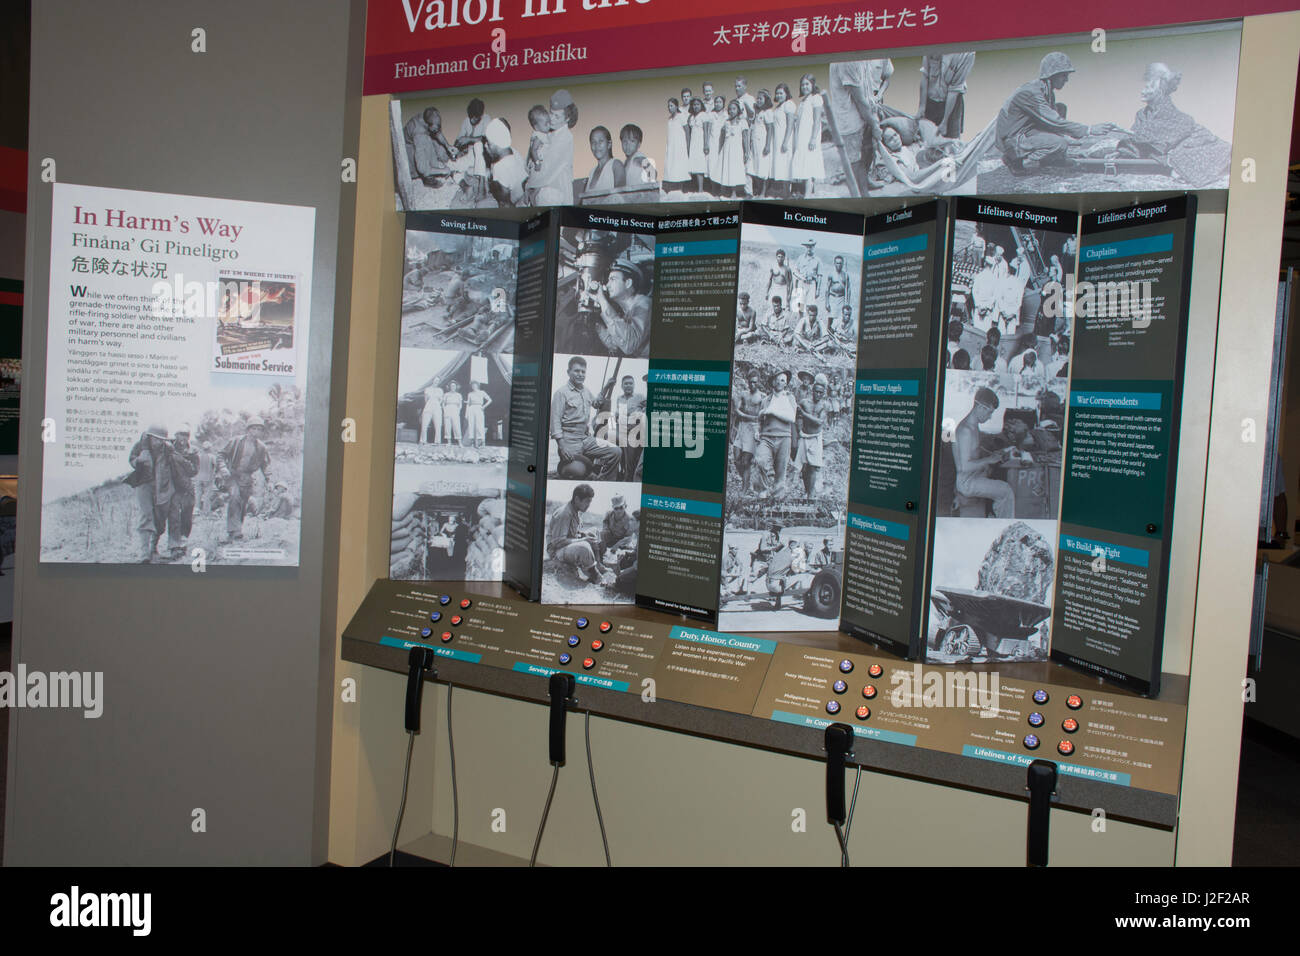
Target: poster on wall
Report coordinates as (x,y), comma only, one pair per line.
(453,399)
(893,426)
(792,379)
(1002,400)
(176,378)
(1154,112)
(1121,461)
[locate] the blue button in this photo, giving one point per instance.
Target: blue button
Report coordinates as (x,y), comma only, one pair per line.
(426,632)
(574,640)
(581,622)
(839,687)
(833,707)
(846,666)
(1035,719)
(1040,697)
(1031,742)
(445,599)
(436,616)
(566,657)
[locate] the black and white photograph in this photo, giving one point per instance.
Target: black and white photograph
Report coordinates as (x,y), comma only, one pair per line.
(1003,459)
(798,295)
(458,291)
(991,590)
(591,542)
(598,418)
(448,523)
(452,406)
(453,401)
(604,292)
(791,426)
(788,466)
(224,480)
(1151,113)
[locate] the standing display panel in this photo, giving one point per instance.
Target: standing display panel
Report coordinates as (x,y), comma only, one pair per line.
(529,422)
(1002,413)
(1121,459)
(683,419)
(903,263)
(791,407)
(604,289)
(453,398)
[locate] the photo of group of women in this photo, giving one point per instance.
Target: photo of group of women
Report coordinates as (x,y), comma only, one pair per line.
(791,427)
(596,433)
(1064,118)
(1006,389)
(453,404)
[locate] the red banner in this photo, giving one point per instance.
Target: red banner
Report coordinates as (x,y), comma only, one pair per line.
(414,45)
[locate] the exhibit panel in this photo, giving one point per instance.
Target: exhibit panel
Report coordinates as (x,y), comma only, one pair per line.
(814,659)
(903,265)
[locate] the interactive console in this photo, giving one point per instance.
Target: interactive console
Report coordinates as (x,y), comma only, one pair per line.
(974,726)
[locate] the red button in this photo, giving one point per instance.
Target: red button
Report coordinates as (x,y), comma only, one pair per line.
(1074,702)
(588,663)
(597,644)
(875,670)
(1069,725)
(863,712)
(446,636)
(1065,748)
(456,619)
(869,692)
(606,627)
(465,603)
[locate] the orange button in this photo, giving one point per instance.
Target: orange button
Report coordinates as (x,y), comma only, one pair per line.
(446,636)
(1065,748)
(597,644)
(605,627)
(1069,725)
(863,712)
(875,670)
(465,603)
(456,619)
(869,692)
(588,663)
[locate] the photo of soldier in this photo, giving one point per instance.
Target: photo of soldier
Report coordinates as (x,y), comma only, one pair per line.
(240,461)
(603,294)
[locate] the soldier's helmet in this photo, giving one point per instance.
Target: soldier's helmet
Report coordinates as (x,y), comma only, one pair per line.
(158,431)
(256,421)
(1053,64)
